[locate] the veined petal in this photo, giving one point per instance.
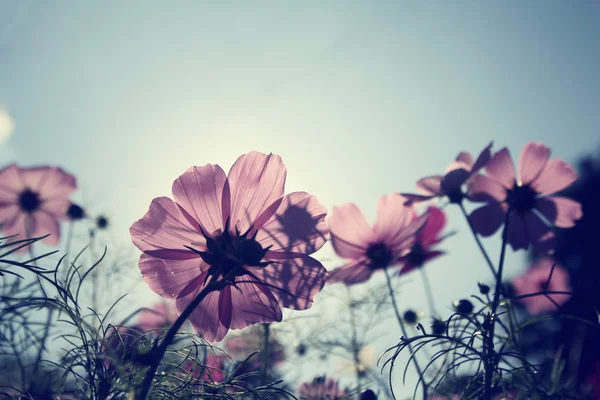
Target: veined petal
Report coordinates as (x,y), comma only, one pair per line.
(350,232)
(557,175)
(500,168)
(393,216)
(252,302)
(534,158)
(206,318)
(561,211)
(351,273)
(169,277)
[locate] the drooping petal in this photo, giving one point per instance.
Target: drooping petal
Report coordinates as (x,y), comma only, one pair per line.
(484,188)
(534,158)
(557,176)
(206,318)
(411,198)
(561,211)
(165,227)
(430,185)
(251,303)
(432,229)
(482,160)
(517,235)
(500,168)
(350,232)
(199,190)
(488,219)
(256,181)
(293,281)
(540,234)
(393,216)
(351,273)
(10,183)
(465,158)
(298,225)
(168,277)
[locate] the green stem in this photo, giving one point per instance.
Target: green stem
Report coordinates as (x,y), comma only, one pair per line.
(354,341)
(479,244)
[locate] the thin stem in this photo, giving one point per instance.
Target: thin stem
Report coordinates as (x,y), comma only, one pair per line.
(264,367)
(405,334)
(428,292)
(354,340)
(479,244)
(159,352)
(490,356)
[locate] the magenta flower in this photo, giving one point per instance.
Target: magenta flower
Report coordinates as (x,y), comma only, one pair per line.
(451,184)
(529,198)
(161,317)
(34,200)
(372,248)
(322,388)
(240,229)
(535,280)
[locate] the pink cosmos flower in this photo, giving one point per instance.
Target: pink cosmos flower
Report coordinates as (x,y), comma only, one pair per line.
(249,341)
(528,198)
(535,281)
(450,185)
(371,248)
(238,228)
(161,317)
(34,200)
(322,388)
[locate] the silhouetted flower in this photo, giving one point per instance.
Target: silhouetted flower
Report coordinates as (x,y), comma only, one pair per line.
(233,229)
(368,395)
(464,306)
(161,317)
(34,200)
(322,388)
(527,198)
(370,249)
(545,275)
(75,212)
(451,184)
(102,222)
(438,327)
(410,317)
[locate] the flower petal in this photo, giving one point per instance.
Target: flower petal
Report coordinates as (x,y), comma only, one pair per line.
(393,216)
(482,159)
(408,266)
(350,232)
(46,224)
(540,234)
(165,226)
(501,168)
(430,185)
(430,234)
(256,181)
(484,188)
(534,158)
(557,176)
(351,273)
(168,278)
(293,281)
(561,211)
(251,303)
(206,318)
(8,212)
(414,198)
(465,158)
(199,190)
(10,182)
(453,180)
(298,225)
(517,235)
(488,219)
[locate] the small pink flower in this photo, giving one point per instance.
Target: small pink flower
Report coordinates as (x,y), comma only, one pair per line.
(322,388)
(451,184)
(238,227)
(249,341)
(528,198)
(161,317)
(535,281)
(34,200)
(386,244)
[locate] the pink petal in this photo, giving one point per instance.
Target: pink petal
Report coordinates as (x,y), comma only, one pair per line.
(561,211)
(487,220)
(403,241)
(206,318)
(454,180)
(199,190)
(252,303)
(430,185)
(483,188)
(540,234)
(293,281)
(465,158)
(17,226)
(256,181)
(298,225)
(8,212)
(483,158)
(168,278)
(557,176)
(392,217)
(57,184)
(414,198)
(350,232)
(430,233)
(10,182)
(352,273)
(46,224)
(518,236)
(534,158)
(501,169)
(165,226)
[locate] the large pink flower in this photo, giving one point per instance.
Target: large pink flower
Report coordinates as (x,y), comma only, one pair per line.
(532,208)
(371,248)
(322,388)
(161,317)
(34,200)
(544,276)
(451,184)
(240,228)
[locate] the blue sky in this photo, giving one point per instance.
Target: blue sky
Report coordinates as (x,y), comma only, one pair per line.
(359,98)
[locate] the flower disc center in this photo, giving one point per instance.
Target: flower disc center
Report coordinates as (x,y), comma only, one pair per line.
(521,198)
(29,201)
(379,255)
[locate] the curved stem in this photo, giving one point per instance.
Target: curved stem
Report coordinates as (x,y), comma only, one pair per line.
(479,244)
(405,334)
(264,367)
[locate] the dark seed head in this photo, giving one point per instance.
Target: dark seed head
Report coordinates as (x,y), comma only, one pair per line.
(483,289)
(301,349)
(464,307)
(438,327)
(417,255)
(521,198)
(379,255)
(410,317)
(102,222)
(75,212)
(368,395)
(29,201)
